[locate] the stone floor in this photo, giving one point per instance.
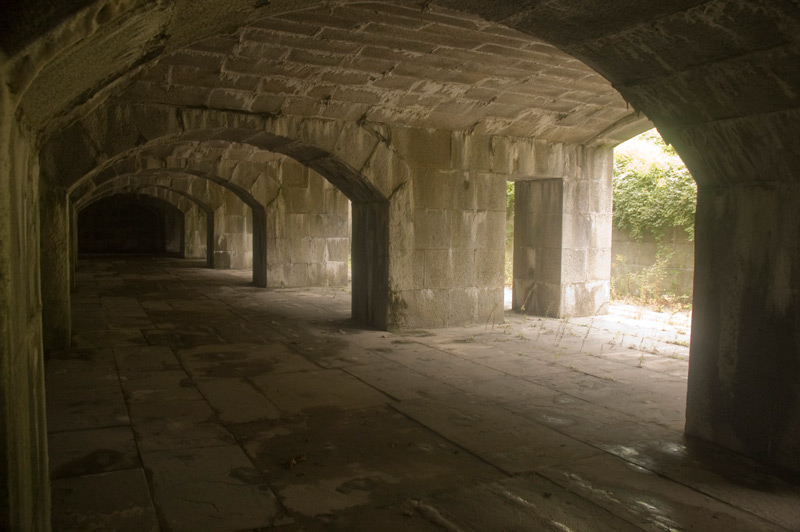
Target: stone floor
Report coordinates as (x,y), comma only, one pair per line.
(193,401)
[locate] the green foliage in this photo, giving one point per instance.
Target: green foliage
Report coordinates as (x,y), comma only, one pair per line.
(509,266)
(651,196)
(655,285)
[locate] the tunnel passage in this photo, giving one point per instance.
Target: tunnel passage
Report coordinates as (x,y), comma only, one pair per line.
(718,78)
(131,223)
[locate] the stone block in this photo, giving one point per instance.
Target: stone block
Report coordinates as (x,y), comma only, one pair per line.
(300,250)
(598,264)
(316,274)
(549,159)
(495,231)
(424,308)
(584,299)
(229,99)
(295,274)
(439,269)
(318,250)
(501,155)
(461,306)
(491,192)
(267,104)
(293,174)
(337,273)
(544,231)
(222,260)
(545,262)
(471,152)
(297,225)
(489,268)
(338,249)
(316,196)
(235,224)
(468,229)
(574,265)
(418,269)
(437,190)
(578,231)
(318,225)
(424,148)
(432,228)
(297,200)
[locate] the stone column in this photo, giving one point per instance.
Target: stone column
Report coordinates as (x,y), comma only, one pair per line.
(73,241)
(744,376)
(55,266)
(370,263)
(562,239)
(259,246)
(538,241)
(210,239)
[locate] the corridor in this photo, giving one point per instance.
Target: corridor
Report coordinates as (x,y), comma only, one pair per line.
(192,400)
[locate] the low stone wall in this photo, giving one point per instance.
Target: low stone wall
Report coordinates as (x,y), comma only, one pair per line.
(668,266)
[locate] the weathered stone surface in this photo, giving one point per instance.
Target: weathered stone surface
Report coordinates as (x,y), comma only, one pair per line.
(719,78)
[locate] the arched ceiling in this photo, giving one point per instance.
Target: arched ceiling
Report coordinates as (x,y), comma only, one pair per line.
(394,62)
(719,73)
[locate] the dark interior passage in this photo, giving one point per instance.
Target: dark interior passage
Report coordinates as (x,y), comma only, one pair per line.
(131,223)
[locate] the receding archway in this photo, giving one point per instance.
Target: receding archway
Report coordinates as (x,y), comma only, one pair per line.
(168,194)
(131,223)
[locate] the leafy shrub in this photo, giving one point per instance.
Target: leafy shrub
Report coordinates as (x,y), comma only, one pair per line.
(653,194)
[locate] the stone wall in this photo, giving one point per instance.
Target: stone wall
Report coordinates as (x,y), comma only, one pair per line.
(196,233)
(631,257)
(459,228)
(308,228)
(24,475)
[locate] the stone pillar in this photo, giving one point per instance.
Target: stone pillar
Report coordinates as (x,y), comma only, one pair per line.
(744,376)
(210,239)
(562,238)
(73,241)
(538,240)
(370,263)
(174,231)
(259,246)
(55,266)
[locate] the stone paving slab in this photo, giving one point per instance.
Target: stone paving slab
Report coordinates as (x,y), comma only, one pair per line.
(648,500)
(145,358)
(591,423)
(117,501)
(88,408)
(237,400)
(521,504)
(107,338)
(177,425)
(86,452)
(329,460)
(210,489)
(741,482)
(509,442)
(159,386)
(296,392)
(183,336)
(242,360)
(400,383)
(78,374)
(277,391)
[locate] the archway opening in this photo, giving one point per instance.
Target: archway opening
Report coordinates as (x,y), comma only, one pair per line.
(131,224)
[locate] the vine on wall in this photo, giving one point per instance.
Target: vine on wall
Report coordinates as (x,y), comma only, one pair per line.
(654,193)
(653,190)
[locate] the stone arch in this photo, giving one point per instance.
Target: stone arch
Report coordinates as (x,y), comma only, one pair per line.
(163,192)
(166,177)
(374,176)
(159,225)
